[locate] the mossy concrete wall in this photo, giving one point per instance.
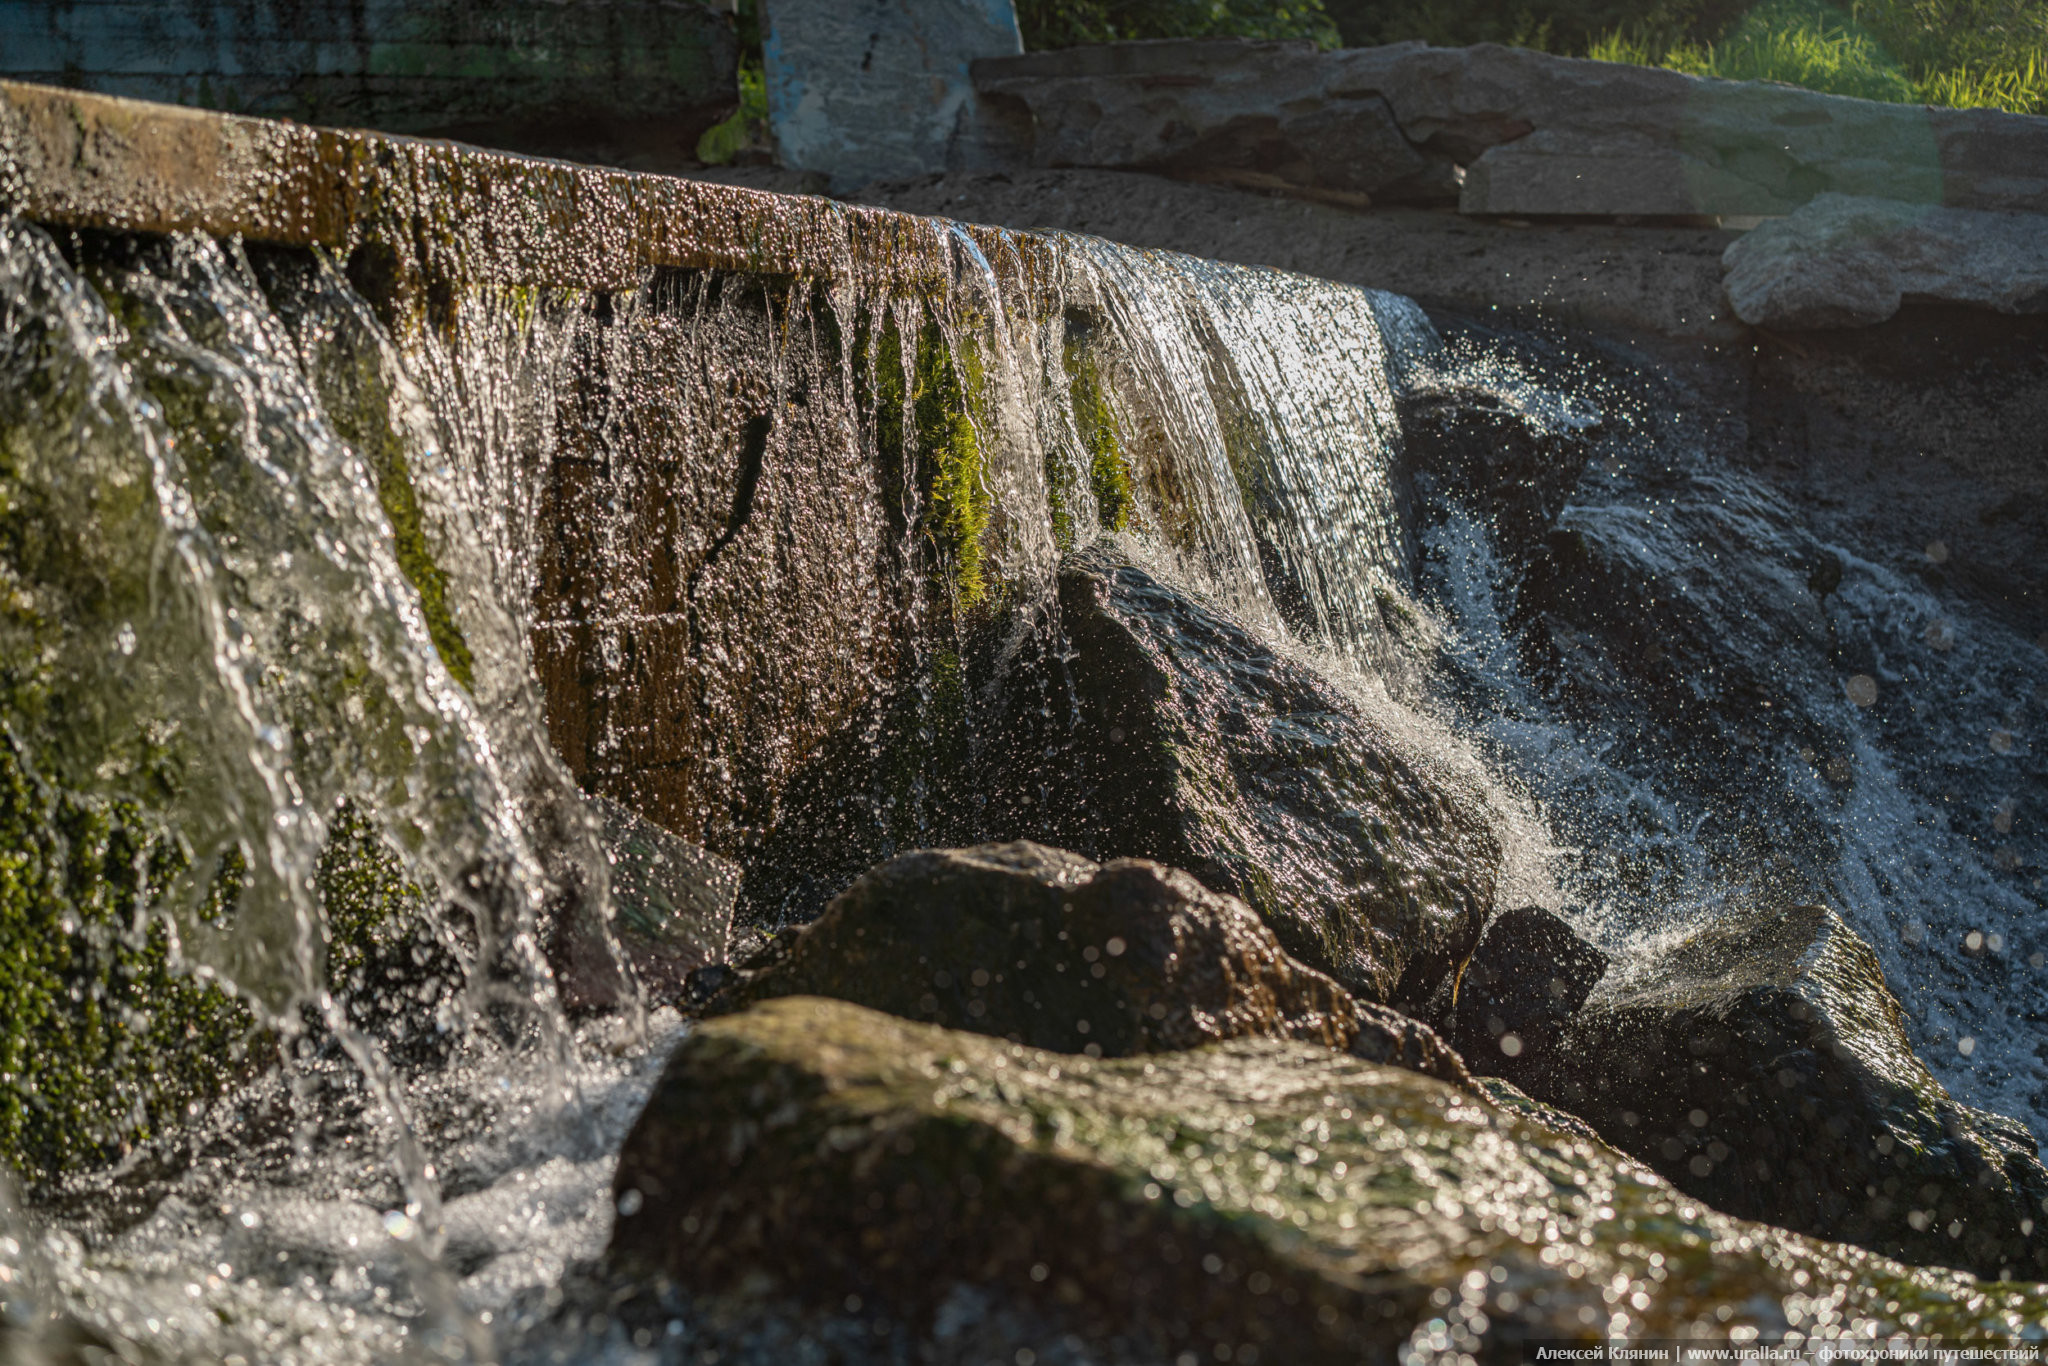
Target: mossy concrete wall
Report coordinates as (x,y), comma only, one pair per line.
(633,81)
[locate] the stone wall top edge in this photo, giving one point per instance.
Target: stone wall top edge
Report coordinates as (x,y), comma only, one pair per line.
(72,159)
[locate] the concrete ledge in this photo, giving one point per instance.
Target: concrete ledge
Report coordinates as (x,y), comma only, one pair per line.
(441,208)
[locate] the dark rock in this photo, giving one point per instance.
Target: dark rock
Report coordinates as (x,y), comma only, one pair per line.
(808,1157)
(1849,262)
(1201,747)
(1762,1064)
(1529,975)
(1048,949)
(1513,453)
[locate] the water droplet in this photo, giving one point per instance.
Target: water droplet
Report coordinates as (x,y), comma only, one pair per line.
(1937,552)
(2001,742)
(1511,1045)
(1940,635)
(2002,816)
(399,1225)
(1973,942)
(1966,1045)
(630,1203)
(1115,948)
(1862,689)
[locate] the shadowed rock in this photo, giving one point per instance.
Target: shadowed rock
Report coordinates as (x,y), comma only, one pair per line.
(1047,948)
(813,1161)
(1199,746)
(1528,976)
(1762,1064)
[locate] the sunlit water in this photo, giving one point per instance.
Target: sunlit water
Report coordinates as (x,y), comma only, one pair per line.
(349,1207)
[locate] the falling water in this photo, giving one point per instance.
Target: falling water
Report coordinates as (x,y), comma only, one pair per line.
(301,565)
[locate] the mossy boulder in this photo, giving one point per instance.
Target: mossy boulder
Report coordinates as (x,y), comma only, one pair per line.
(1280,1199)
(1049,949)
(1198,745)
(1762,1064)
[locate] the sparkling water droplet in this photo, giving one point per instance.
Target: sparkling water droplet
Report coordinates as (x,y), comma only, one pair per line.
(1937,552)
(2001,742)
(1862,689)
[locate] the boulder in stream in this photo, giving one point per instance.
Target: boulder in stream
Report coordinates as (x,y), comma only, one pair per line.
(1200,746)
(1762,1064)
(1529,975)
(813,1162)
(1049,949)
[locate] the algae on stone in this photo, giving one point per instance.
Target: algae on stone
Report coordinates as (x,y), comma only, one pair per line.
(1310,1206)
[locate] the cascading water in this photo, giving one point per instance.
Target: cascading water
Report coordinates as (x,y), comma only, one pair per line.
(304,561)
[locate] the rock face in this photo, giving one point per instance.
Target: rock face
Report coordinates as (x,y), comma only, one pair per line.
(1049,949)
(858,92)
(1529,975)
(1280,1199)
(1761,1063)
(1198,746)
(1500,130)
(1845,262)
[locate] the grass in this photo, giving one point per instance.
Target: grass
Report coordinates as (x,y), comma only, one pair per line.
(1965,54)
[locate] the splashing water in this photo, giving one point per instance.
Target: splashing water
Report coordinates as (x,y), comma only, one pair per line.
(299,566)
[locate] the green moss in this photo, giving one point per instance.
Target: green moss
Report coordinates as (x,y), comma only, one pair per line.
(1109,471)
(358,402)
(102,1043)
(925,429)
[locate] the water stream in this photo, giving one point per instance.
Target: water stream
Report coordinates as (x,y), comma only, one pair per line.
(233,634)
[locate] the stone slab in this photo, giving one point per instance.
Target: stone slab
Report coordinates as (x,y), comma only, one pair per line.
(1848,262)
(1531,134)
(860,90)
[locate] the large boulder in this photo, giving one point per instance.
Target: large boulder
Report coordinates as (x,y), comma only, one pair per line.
(1499,130)
(1049,949)
(956,1195)
(1761,1063)
(1848,262)
(1200,746)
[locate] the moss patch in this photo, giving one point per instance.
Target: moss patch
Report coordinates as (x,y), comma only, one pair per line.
(102,1043)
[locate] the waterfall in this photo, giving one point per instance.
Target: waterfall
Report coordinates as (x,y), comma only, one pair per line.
(300,581)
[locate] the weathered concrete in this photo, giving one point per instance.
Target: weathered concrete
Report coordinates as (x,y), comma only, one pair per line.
(1846,262)
(715,592)
(630,82)
(1531,134)
(860,89)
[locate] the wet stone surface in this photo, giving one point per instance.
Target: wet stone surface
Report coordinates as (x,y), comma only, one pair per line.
(1762,1064)
(1049,949)
(832,1163)
(1200,746)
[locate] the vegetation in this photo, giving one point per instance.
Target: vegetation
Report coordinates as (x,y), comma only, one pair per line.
(1960,53)
(1069,23)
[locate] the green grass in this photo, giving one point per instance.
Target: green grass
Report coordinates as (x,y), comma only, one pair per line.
(1960,53)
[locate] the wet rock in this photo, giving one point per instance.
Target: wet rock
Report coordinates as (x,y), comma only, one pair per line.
(1049,949)
(1529,975)
(1199,746)
(1847,262)
(1762,1064)
(1279,1198)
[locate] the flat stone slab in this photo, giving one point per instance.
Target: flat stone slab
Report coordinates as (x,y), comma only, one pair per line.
(1848,262)
(1498,130)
